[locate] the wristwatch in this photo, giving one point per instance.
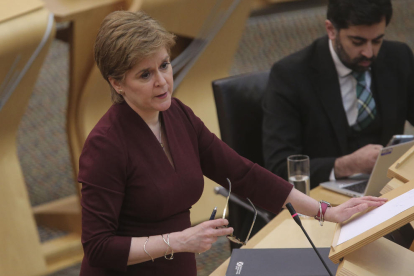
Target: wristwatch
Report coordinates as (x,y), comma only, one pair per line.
(323,206)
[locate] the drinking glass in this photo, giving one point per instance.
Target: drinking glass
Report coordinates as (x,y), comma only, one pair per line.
(298,172)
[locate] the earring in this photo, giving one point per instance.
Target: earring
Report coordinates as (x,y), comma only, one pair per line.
(121,92)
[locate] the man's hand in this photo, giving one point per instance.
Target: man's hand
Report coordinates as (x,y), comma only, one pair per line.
(360,161)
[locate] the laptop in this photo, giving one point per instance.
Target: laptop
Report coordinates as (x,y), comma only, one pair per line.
(363,184)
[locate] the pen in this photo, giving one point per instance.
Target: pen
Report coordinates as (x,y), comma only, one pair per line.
(213,215)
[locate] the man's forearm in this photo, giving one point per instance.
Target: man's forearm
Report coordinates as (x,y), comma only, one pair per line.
(343,167)
(360,161)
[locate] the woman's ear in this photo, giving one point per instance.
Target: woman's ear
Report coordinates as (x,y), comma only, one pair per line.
(116,85)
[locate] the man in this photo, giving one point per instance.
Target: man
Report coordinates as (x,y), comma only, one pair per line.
(343,97)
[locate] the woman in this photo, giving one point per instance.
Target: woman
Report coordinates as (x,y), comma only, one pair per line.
(142,165)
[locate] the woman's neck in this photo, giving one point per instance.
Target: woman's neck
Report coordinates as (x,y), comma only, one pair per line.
(150,118)
(153,122)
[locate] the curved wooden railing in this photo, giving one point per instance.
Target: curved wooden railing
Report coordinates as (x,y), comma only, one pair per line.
(22,52)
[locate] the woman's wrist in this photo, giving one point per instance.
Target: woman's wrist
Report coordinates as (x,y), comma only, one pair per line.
(323,213)
(330,214)
(176,242)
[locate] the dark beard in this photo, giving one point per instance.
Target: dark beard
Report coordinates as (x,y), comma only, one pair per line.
(346,60)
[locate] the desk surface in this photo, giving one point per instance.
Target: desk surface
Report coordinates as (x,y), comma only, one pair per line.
(334,198)
(274,233)
(67,10)
(12,9)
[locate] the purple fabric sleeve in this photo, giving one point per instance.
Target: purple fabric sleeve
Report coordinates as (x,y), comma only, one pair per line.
(219,161)
(102,174)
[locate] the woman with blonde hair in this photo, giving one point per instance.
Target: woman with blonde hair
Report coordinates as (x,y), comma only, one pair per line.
(142,165)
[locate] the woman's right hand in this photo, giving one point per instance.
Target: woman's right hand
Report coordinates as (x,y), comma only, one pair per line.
(199,238)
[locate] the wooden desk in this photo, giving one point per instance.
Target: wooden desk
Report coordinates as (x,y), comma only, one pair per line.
(335,199)
(273,235)
(275,231)
(378,258)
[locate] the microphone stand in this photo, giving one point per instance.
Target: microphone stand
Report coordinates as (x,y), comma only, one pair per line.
(295,216)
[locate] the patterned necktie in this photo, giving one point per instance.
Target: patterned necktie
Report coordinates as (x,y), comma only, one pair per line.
(366,102)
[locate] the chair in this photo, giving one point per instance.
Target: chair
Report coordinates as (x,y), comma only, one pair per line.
(239,109)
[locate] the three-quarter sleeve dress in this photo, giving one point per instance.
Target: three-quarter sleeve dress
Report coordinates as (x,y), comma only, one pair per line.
(130,189)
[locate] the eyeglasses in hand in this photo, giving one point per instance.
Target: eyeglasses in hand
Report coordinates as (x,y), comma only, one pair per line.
(234,238)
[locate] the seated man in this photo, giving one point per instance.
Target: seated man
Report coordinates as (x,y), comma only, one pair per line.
(343,97)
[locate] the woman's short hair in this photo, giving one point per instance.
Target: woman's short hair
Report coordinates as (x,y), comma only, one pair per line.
(124,39)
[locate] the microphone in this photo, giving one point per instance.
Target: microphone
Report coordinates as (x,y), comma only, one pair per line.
(295,216)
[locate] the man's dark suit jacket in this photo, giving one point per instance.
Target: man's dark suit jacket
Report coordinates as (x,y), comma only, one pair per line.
(303,109)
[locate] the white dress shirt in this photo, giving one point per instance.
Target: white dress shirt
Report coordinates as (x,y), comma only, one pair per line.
(347,84)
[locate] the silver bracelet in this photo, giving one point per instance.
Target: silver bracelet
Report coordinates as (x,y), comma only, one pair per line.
(321,213)
(321,220)
(167,242)
(145,250)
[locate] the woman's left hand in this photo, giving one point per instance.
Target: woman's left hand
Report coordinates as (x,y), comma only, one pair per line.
(344,211)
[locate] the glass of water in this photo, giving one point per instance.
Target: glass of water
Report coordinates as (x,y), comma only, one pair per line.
(298,172)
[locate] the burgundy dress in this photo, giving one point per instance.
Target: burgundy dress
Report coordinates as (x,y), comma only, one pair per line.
(130,189)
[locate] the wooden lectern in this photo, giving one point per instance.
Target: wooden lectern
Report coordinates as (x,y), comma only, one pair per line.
(369,253)
(400,173)
(381,257)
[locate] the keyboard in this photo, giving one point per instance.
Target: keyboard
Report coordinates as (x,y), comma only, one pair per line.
(359,188)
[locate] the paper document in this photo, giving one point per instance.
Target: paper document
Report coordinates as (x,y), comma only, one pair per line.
(376,216)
